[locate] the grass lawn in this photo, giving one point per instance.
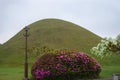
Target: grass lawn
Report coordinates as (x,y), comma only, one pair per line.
(11,73)
(108,71)
(17,73)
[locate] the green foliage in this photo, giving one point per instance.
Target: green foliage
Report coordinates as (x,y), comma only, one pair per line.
(118,41)
(66,64)
(39,51)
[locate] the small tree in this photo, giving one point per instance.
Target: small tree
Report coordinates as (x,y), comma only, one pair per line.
(106,47)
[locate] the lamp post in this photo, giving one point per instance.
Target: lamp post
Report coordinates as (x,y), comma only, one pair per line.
(26,56)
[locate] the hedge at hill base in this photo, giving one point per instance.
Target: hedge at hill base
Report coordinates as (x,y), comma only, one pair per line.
(67,65)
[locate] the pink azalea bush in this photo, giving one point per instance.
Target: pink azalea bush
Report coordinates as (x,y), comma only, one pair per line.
(41,74)
(68,64)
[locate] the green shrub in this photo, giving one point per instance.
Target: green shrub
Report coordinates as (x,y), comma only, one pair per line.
(65,65)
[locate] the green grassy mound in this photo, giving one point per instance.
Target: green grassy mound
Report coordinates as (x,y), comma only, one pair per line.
(53,33)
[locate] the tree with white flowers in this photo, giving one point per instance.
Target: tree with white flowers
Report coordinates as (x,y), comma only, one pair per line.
(107,46)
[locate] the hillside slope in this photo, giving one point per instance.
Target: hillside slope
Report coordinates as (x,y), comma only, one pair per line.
(53,33)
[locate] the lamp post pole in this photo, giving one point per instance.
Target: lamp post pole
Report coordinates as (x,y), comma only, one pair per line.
(26,56)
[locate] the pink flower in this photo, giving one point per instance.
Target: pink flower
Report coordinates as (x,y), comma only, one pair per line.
(61,57)
(58,65)
(41,74)
(97,64)
(81,54)
(69,59)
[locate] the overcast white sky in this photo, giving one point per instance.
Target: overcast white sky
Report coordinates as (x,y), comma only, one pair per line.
(99,16)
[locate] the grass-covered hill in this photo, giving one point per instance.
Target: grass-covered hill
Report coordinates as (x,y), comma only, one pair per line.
(53,33)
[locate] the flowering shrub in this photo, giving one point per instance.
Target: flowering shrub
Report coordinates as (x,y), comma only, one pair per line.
(68,64)
(107,46)
(39,74)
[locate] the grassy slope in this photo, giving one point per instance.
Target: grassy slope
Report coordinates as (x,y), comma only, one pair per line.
(49,32)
